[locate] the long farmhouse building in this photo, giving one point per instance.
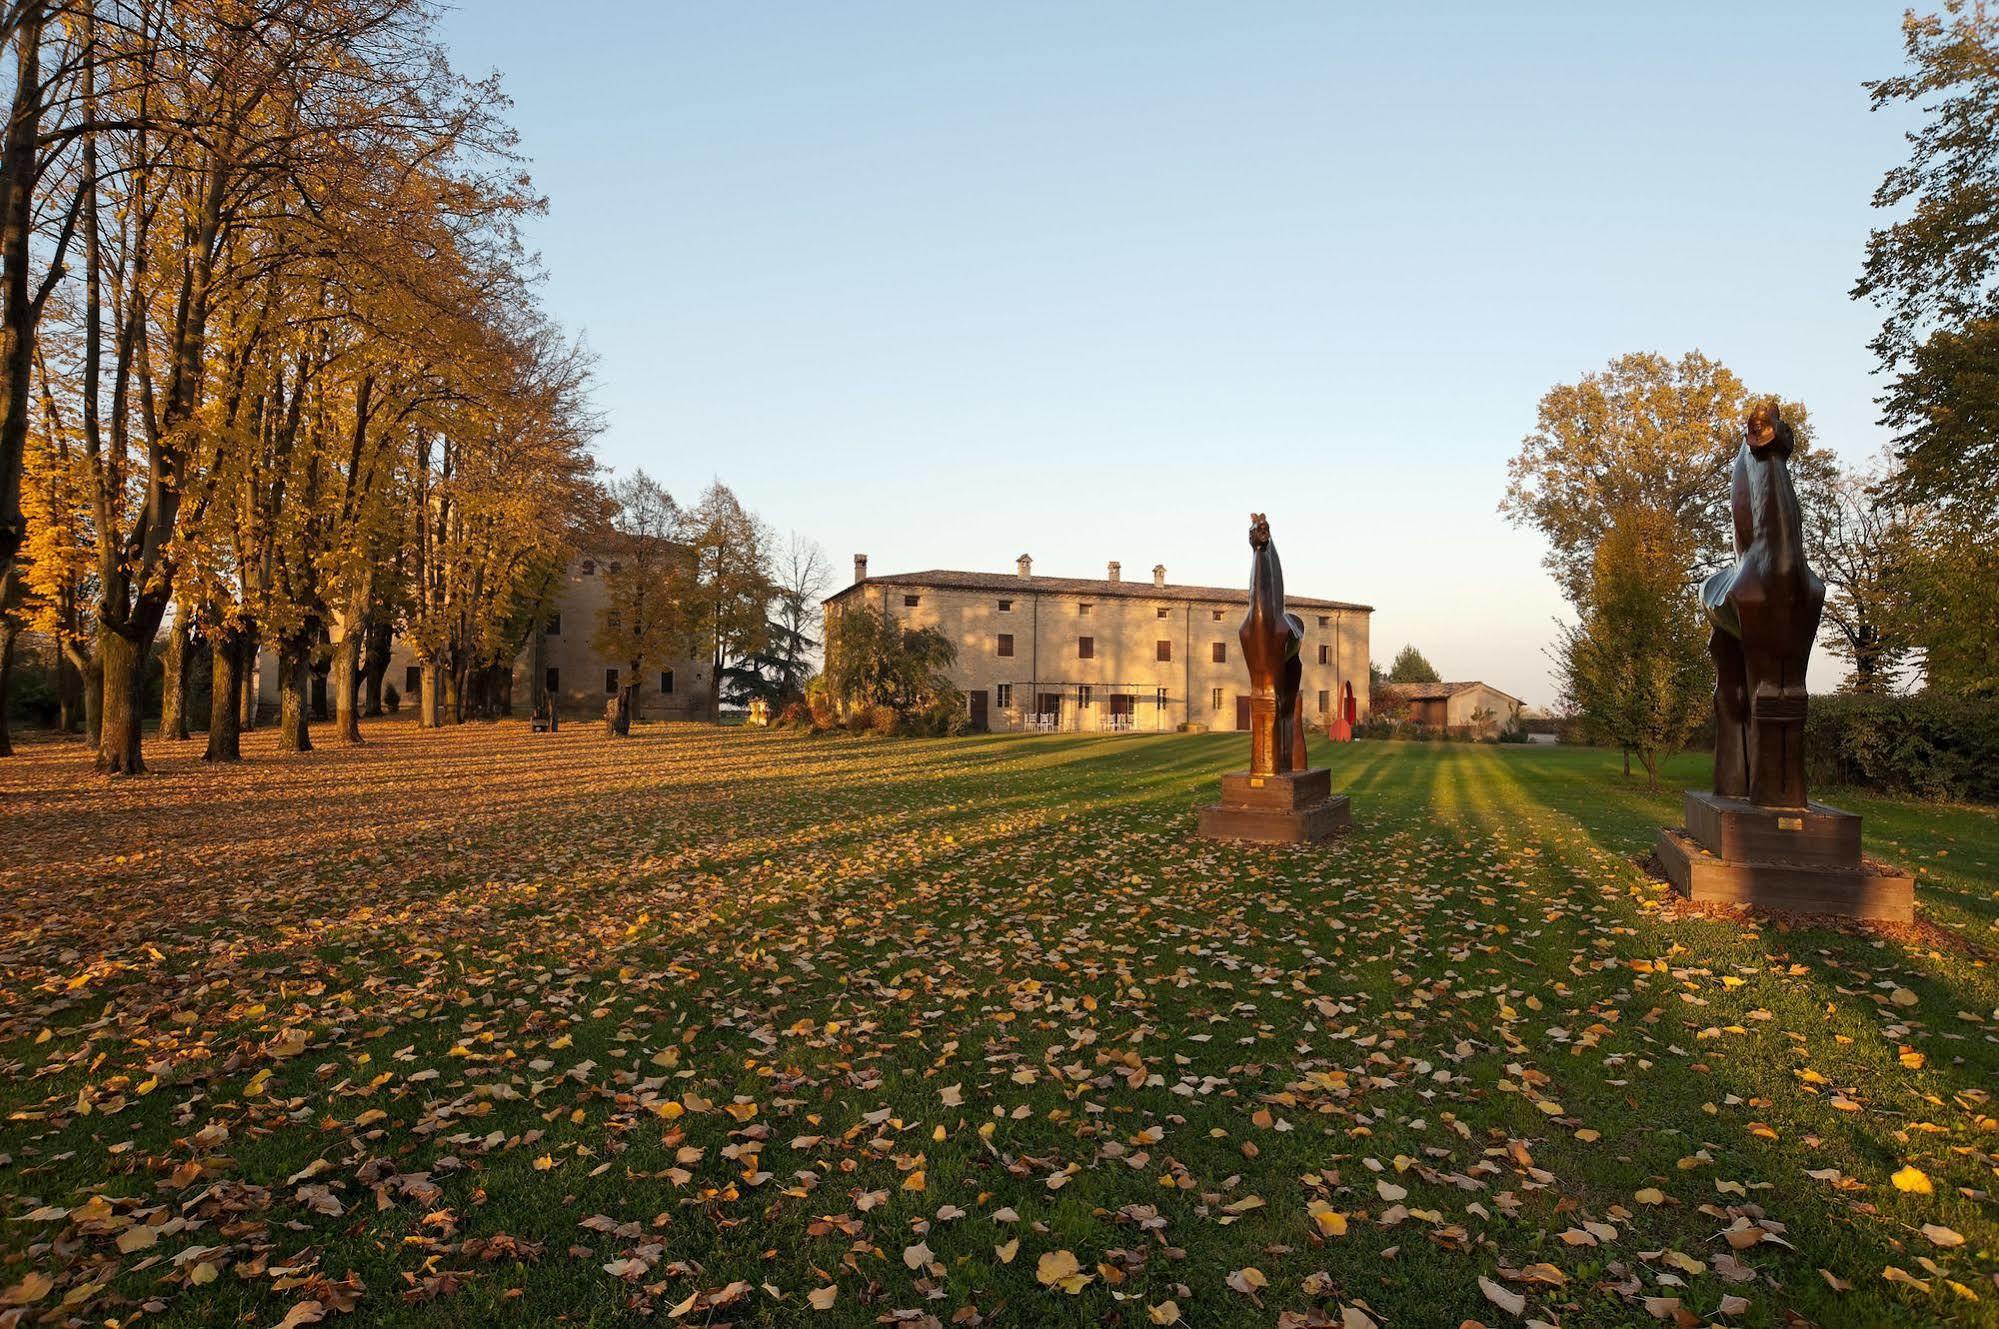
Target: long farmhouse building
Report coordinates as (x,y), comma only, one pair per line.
(563,654)
(1086,654)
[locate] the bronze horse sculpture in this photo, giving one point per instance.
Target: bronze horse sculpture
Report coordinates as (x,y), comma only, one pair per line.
(1271,640)
(1765,613)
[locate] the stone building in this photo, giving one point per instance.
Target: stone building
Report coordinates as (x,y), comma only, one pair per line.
(1084,654)
(1475,709)
(579,677)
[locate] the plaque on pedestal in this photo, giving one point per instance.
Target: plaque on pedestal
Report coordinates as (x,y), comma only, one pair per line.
(1806,860)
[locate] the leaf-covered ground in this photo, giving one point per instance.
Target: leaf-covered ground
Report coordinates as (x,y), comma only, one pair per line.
(749,1028)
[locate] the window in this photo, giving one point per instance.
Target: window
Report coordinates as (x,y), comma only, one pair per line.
(1325,702)
(1086,648)
(412,679)
(1160,698)
(1004,695)
(1159,613)
(1006,606)
(666,682)
(1083,611)
(1217,698)
(1005,643)
(1325,653)
(1083,695)
(552,681)
(911,601)
(610,682)
(1221,652)
(1165,649)
(1218,616)
(612,617)
(1325,620)
(555,625)
(614,567)
(589,567)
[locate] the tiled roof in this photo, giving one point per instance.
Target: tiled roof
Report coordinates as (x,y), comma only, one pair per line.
(1003,583)
(1431,691)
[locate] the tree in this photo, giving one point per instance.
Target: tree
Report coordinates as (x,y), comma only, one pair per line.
(1646,434)
(777,672)
(1411,667)
(732,560)
(1634,668)
(651,606)
(1858,542)
(872,660)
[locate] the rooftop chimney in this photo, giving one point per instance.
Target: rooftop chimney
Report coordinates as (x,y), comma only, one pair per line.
(1024,565)
(860,568)
(1159,574)
(1117,571)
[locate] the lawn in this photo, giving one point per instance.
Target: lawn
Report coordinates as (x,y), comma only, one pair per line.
(737,1027)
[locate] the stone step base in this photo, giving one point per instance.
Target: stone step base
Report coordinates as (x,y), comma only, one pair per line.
(1868,890)
(1306,825)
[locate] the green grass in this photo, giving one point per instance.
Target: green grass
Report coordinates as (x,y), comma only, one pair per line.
(542,942)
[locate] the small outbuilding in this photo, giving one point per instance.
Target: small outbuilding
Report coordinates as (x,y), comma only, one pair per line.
(1477,710)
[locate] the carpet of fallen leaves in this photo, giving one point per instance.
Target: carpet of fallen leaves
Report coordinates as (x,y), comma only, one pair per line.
(717,1027)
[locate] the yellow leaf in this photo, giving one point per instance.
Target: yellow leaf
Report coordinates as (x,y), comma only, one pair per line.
(914,1181)
(1913,1180)
(1941,1236)
(1008,1251)
(822,1299)
(1650,1195)
(1166,1312)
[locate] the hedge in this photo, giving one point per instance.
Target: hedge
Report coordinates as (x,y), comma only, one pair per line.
(1927,746)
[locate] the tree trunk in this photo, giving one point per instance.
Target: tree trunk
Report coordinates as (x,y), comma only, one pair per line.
(246,681)
(89,688)
(69,693)
(226,684)
(378,640)
(341,680)
(429,715)
(174,692)
(294,677)
(18,308)
(122,668)
(1627,763)
(8,629)
(1650,757)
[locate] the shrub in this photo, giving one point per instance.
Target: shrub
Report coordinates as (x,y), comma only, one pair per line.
(882,719)
(392,700)
(1929,746)
(795,715)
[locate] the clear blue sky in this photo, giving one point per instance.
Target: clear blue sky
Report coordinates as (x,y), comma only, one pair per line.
(947,283)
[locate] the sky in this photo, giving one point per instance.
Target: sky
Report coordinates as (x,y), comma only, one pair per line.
(948,283)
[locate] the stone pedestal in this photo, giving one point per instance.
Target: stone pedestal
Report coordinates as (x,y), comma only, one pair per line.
(1293,807)
(1807,860)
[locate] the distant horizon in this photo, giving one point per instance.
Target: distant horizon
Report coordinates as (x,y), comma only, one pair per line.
(944,286)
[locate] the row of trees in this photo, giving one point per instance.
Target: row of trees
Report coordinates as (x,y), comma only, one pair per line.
(272,370)
(1627,473)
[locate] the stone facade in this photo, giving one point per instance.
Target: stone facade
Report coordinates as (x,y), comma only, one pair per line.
(1106,654)
(582,679)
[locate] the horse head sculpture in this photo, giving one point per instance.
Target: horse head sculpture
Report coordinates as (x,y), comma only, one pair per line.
(1765,615)
(1271,639)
